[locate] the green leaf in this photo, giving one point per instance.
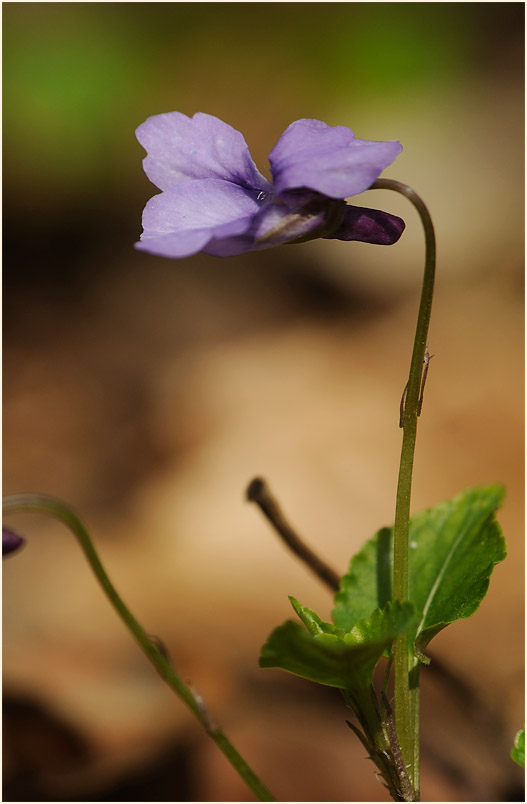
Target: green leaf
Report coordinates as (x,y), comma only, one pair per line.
(368,583)
(453,549)
(313,622)
(328,655)
(518,751)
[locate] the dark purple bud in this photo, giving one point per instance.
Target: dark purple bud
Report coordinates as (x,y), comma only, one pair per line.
(11,541)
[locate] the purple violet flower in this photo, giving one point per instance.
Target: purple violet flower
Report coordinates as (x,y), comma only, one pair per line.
(214,199)
(11,541)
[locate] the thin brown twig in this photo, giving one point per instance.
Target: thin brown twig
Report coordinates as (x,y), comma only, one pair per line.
(258,492)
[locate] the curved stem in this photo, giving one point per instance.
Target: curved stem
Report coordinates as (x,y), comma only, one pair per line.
(151,646)
(406,666)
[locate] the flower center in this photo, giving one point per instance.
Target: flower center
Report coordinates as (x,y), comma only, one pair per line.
(332,209)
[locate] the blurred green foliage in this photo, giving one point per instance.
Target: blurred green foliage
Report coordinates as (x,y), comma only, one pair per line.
(79,77)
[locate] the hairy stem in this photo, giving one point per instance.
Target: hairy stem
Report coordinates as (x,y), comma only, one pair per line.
(406,666)
(151,646)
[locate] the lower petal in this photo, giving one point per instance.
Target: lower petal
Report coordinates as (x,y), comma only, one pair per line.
(179,244)
(181,221)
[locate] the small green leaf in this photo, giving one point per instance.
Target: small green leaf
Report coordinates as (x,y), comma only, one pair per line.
(330,656)
(518,751)
(313,622)
(368,583)
(295,650)
(453,549)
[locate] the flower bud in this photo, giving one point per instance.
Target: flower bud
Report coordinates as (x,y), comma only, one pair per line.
(11,541)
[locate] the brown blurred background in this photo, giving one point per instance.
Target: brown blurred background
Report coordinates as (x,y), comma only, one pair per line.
(148,392)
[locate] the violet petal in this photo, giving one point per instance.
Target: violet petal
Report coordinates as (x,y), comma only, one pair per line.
(368,226)
(182,148)
(328,159)
(230,246)
(181,221)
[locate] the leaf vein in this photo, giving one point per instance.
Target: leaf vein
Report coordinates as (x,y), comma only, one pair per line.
(442,571)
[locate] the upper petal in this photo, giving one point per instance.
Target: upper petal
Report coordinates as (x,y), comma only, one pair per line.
(368,226)
(181,221)
(182,148)
(328,159)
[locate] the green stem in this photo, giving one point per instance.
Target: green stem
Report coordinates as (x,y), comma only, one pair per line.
(151,647)
(405,664)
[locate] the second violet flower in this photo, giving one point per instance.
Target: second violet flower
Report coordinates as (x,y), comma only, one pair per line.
(214,199)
